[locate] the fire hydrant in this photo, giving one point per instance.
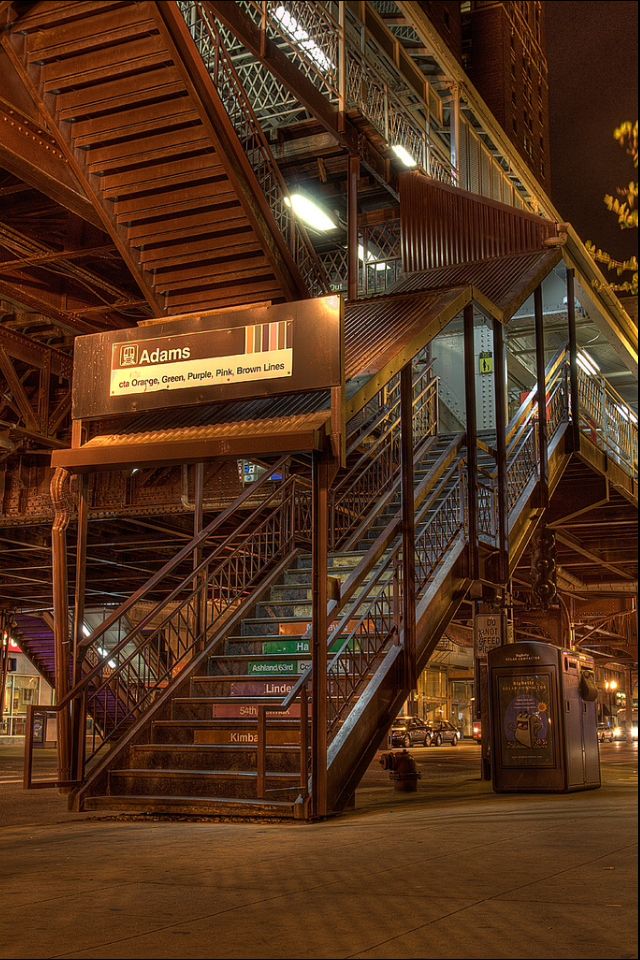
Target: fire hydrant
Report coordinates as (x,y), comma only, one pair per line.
(402,770)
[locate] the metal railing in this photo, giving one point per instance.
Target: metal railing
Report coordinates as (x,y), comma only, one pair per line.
(119,684)
(207,38)
(339,57)
(608,421)
(377,468)
(362,631)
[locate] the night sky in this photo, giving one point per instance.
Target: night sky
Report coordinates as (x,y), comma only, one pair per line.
(593,52)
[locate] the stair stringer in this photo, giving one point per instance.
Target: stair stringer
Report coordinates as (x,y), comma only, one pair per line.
(357,741)
(355,745)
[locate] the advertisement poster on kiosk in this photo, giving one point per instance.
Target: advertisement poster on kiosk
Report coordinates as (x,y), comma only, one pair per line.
(526,725)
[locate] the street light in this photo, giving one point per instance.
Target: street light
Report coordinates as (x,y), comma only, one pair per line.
(611,686)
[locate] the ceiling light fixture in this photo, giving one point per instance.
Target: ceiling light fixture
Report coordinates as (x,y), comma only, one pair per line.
(403,155)
(309,212)
(297,33)
(378,264)
(587,363)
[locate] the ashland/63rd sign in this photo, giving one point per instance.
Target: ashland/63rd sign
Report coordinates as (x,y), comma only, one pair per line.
(209,357)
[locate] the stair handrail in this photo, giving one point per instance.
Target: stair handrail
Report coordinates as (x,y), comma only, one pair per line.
(266,171)
(230,572)
(426,493)
(609,420)
(393,392)
(382,600)
(526,410)
(355,483)
(186,551)
(203,579)
(178,558)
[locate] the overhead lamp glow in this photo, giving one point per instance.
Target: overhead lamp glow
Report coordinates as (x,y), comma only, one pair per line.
(85,630)
(296,32)
(403,155)
(626,413)
(588,363)
(380,266)
(583,365)
(104,653)
(309,212)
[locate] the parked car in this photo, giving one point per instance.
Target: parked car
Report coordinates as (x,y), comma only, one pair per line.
(619,732)
(459,730)
(605,733)
(410,732)
(444,732)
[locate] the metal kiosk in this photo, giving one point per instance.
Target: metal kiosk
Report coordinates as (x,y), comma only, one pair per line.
(543,719)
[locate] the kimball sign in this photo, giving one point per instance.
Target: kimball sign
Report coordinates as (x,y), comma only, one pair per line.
(210,357)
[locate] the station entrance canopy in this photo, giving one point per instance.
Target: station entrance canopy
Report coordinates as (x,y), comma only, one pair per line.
(334,358)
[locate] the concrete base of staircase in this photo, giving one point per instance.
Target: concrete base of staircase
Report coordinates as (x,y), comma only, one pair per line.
(194,807)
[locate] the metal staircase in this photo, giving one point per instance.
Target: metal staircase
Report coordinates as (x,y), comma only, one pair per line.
(169,153)
(205,702)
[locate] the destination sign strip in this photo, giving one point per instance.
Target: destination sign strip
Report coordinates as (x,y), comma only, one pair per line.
(278,667)
(209,372)
(261,688)
(249,711)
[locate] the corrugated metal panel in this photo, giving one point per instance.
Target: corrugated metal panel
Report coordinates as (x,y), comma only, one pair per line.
(274,426)
(219,413)
(377,329)
(442,225)
(504,281)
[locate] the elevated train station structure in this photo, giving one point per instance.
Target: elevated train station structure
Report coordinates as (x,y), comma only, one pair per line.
(316,296)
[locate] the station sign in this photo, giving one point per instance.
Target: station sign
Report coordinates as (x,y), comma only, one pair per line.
(209,357)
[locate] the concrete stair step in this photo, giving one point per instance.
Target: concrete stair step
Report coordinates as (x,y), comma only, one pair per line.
(222,731)
(259,664)
(227,708)
(202,783)
(283,609)
(337,561)
(268,626)
(194,806)
(280,758)
(242,685)
(283,647)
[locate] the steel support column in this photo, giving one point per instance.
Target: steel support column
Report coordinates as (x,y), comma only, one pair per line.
(454,130)
(408,527)
(500,392)
(471,441)
(77,720)
(573,359)
(319,573)
(352,228)
(60,497)
(542,397)
(81,575)
(198,496)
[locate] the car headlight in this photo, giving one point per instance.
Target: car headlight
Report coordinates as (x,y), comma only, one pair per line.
(634,732)
(617,731)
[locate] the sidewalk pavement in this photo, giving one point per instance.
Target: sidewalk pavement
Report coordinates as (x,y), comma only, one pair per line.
(452,871)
